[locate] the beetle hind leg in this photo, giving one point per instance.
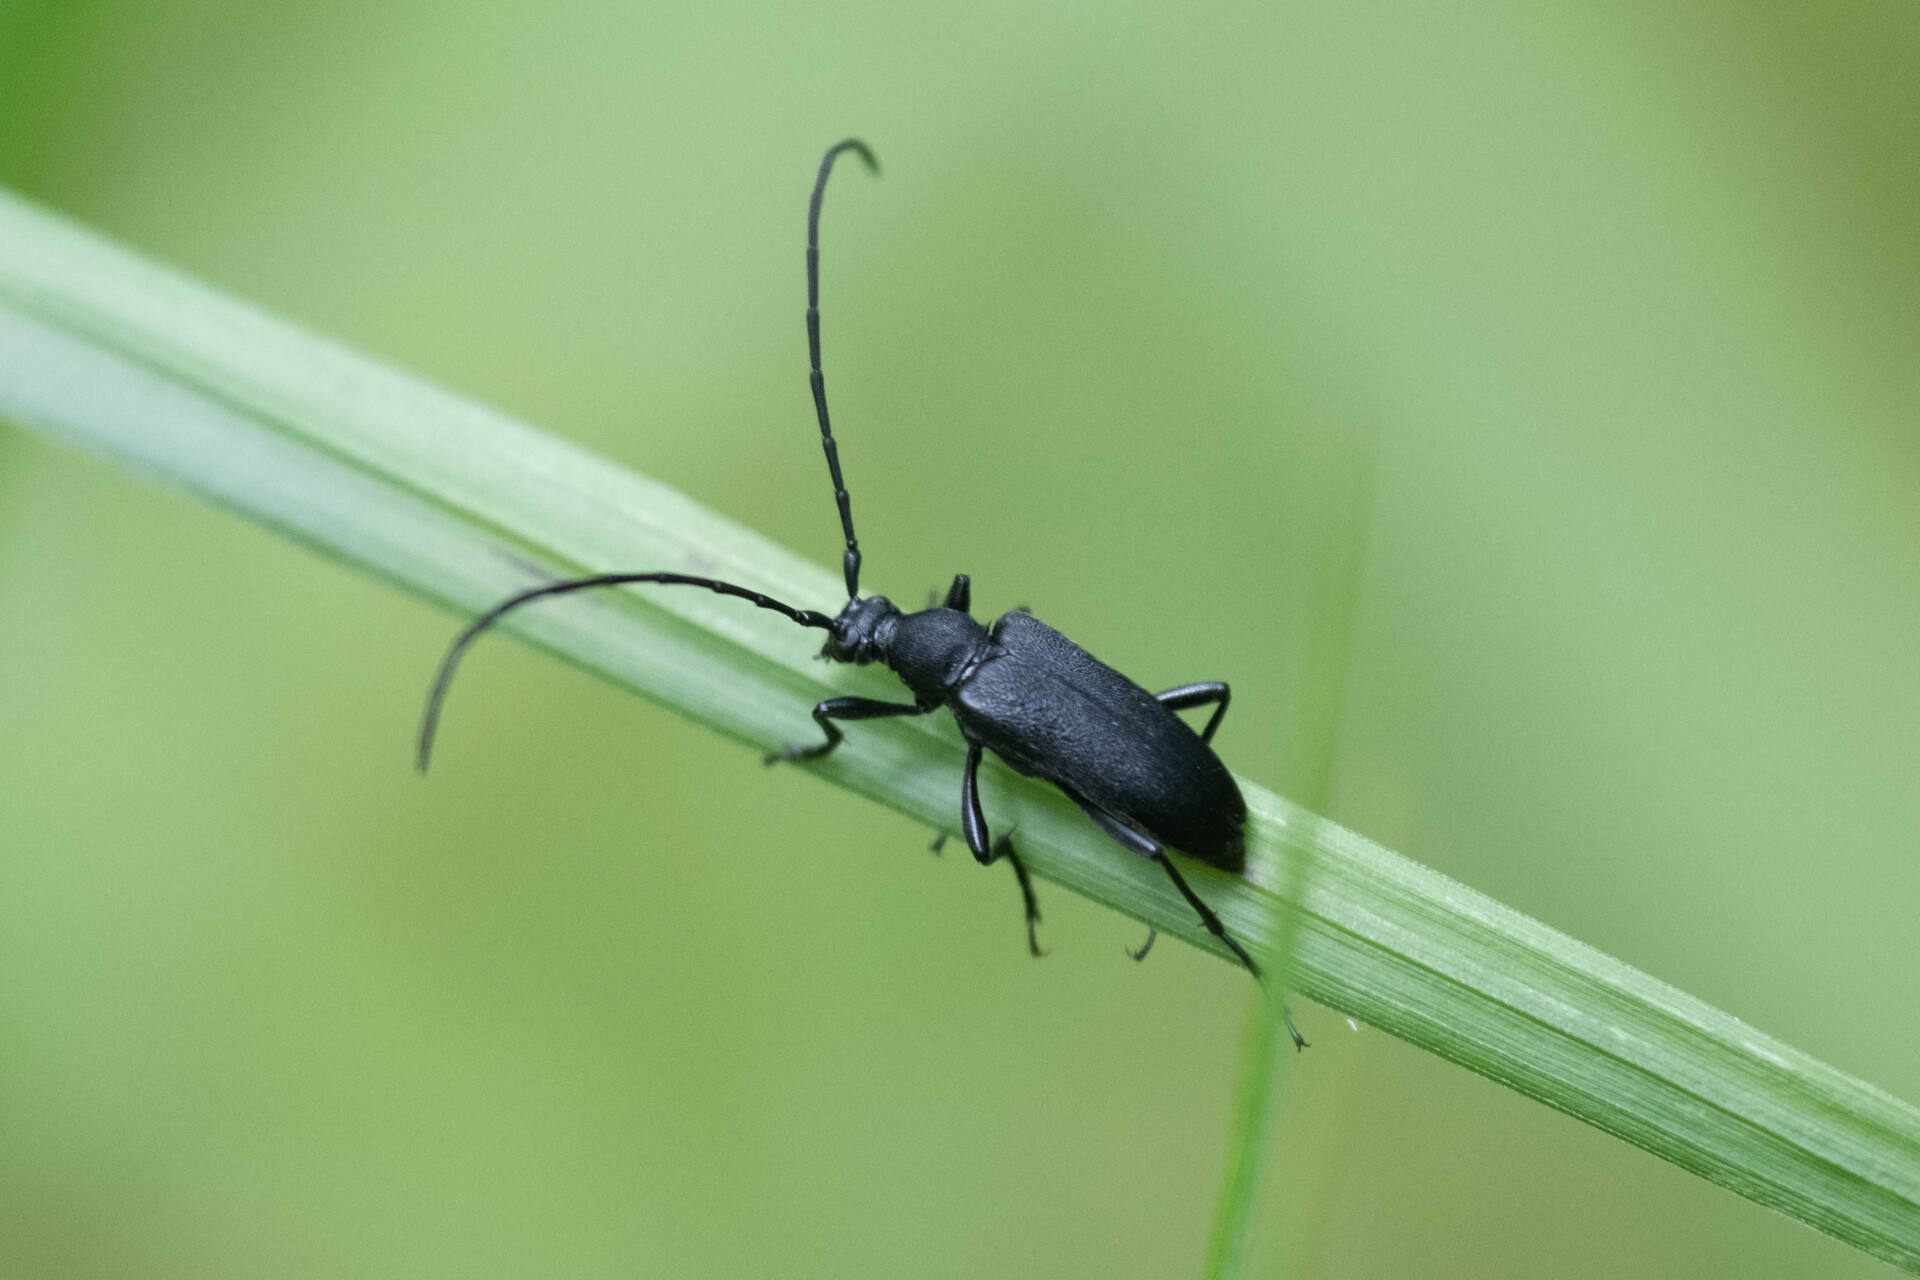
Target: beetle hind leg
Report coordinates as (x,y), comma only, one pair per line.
(1205,912)
(1219,931)
(1147,847)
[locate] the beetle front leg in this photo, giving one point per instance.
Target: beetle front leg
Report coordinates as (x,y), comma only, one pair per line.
(960,594)
(986,851)
(1198,695)
(825,713)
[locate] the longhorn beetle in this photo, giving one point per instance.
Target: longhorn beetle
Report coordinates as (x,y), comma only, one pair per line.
(1033,697)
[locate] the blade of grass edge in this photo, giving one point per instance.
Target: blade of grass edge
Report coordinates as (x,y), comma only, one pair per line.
(459,505)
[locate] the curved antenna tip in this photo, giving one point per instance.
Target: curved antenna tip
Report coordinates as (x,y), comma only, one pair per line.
(437,695)
(860,149)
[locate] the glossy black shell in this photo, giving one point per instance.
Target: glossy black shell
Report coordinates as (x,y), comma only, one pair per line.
(1052,710)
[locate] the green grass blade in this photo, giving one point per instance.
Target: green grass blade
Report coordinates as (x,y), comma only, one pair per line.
(462,506)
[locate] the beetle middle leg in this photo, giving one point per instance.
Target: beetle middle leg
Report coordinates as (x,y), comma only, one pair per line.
(1183,696)
(973,824)
(825,713)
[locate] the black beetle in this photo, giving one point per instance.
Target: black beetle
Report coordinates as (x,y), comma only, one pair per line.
(1039,701)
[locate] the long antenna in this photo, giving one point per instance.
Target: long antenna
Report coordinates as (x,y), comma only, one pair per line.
(852,560)
(431,721)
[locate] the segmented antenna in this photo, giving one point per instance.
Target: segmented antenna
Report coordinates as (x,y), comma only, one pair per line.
(852,560)
(431,721)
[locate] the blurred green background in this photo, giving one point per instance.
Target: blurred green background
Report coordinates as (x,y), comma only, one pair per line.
(1516,402)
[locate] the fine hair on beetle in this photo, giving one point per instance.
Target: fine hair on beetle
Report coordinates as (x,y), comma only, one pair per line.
(1019,688)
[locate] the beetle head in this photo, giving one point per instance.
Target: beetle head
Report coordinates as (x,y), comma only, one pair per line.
(862,631)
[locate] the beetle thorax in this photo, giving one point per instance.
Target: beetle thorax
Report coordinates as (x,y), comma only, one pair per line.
(934,650)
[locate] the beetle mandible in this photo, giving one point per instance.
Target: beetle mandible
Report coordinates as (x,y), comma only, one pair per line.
(1021,689)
